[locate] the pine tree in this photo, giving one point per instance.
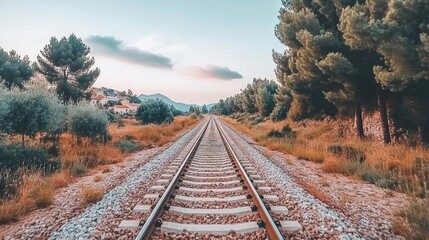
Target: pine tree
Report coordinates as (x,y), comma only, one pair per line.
(204,109)
(398,32)
(14,70)
(67,64)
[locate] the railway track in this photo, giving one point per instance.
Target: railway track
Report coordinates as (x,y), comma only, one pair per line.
(209,192)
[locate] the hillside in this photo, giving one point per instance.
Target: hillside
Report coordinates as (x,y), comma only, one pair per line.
(177,105)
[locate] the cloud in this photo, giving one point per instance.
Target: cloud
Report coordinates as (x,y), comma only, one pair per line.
(164,44)
(113,47)
(213,72)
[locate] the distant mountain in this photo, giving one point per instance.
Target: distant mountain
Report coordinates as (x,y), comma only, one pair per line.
(179,106)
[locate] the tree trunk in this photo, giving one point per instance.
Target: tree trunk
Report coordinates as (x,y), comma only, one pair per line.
(359,121)
(381,98)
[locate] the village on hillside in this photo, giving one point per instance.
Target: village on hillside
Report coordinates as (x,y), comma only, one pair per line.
(121,103)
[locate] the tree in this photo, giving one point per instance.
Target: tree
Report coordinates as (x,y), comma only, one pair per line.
(191,109)
(264,97)
(67,64)
(283,96)
(88,121)
(398,32)
(319,68)
(175,111)
(154,111)
(204,109)
(14,70)
(30,112)
(134,99)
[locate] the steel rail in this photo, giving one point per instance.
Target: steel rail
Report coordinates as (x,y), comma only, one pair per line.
(270,225)
(157,211)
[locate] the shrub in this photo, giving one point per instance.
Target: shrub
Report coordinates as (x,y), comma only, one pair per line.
(274,134)
(15,156)
(9,183)
(154,111)
(127,145)
(88,121)
(78,169)
(350,153)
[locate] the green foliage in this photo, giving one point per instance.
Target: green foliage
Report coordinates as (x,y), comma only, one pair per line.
(194,110)
(154,111)
(204,109)
(175,111)
(274,134)
(15,156)
(134,99)
(66,63)
(88,121)
(398,32)
(257,97)
(14,70)
(30,112)
(286,132)
(127,144)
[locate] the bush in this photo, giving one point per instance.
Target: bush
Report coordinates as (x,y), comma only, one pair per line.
(78,169)
(88,121)
(350,153)
(154,111)
(127,145)
(15,156)
(27,113)
(274,134)
(285,132)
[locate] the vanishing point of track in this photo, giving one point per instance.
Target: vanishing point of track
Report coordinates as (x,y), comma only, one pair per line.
(211,183)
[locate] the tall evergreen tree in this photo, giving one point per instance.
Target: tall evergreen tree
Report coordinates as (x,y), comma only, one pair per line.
(398,31)
(14,70)
(204,109)
(321,65)
(67,64)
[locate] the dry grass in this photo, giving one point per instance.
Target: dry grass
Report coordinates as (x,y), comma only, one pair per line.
(92,194)
(61,179)
(35,192)
(417,215)
(105,169)
(397,166)
(157,135)
(89,154)
(98,178)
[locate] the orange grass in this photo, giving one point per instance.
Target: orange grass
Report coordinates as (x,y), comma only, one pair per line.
(157,135)
(92,194)
(395,166)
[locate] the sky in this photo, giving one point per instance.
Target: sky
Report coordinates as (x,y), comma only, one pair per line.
(193,51)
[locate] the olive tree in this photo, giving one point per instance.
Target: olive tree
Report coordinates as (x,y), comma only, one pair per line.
(87,121)
(27,113)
